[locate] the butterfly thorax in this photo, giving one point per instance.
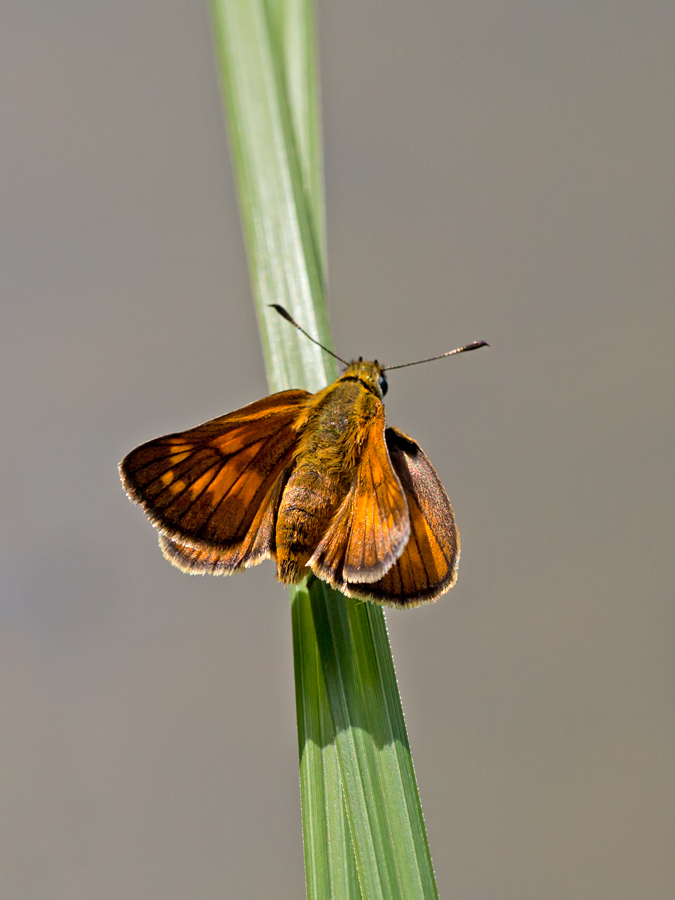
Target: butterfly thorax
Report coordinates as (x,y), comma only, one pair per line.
(333,421)
(332,429)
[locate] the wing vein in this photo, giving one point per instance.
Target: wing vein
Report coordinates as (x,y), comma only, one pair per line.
(217,470)
(167,488)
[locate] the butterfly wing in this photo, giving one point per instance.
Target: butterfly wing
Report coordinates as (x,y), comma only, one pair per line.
(427,567)
(258,543)
(370,529)
(212,491)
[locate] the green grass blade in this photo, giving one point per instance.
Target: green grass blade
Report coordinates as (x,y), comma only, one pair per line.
(283,230)
(329,856)
(362,822)
(292,31)
(281,200)
(385,815)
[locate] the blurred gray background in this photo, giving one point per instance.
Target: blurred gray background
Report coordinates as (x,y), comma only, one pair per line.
(494,170)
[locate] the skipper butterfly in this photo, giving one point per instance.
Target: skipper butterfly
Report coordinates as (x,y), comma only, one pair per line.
(315,481)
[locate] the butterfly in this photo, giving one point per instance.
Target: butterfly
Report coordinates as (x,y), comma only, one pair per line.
(317,482)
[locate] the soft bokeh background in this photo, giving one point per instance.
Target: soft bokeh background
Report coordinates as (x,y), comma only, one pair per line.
(498,171)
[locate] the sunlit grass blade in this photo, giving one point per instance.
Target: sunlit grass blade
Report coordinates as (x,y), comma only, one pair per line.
(292,34)
(282,211)
(362,822)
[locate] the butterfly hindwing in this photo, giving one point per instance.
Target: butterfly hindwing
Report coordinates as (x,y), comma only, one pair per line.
(211,490)
(370,529)
(427,567)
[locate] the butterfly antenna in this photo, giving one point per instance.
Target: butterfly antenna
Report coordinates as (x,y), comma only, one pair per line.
(286,315)
(465,349)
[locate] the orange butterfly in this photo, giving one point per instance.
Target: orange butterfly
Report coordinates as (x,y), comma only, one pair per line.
(315,481)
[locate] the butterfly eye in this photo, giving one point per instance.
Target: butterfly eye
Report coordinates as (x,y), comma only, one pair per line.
(383,385)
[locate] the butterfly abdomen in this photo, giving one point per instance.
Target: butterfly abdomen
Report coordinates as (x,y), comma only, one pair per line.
(309,502)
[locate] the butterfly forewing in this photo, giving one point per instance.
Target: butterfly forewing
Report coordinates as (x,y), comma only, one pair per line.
(206,487)
(427,567)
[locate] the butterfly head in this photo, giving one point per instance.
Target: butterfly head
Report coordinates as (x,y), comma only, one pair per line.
(370,374)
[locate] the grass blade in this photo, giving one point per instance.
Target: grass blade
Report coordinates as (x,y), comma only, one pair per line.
(385,815)
(283,229)
(362,822)
(329,856)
